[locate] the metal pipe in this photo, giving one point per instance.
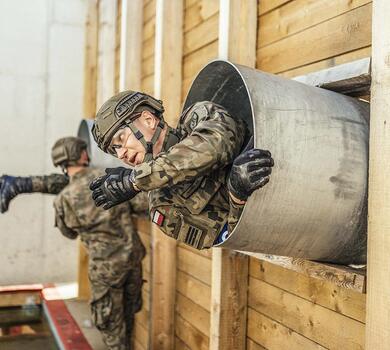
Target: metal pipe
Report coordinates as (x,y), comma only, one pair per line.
(315,205)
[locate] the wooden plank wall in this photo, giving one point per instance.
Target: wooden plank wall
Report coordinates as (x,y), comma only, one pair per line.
(299,36)
(200,37)
(142,318)
(148,42)
(193,289)
(118,24)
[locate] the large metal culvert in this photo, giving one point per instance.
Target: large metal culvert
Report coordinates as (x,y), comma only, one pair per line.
(98,159)
(315,206)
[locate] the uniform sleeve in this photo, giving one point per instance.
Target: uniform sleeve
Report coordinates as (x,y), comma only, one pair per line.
(214,140)
(140,204)
(65,219)
(234,214)
(52,184)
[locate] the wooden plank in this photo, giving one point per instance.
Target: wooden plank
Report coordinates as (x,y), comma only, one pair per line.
(378,301)
(147,48)
(328,63)
(207,253)
(149,10)
(90,60)
(148,66)
(194,265)
(341,276)
(269,5)
(299,15)
(193,313)
(141,334)
(106,51)
(189,3)
(147,84)
(137,345)
(251,345)
(167,87)
(229,289)
(195,61)
(341,300)
(149,29)
(353,78)
(325,327)
(339,35)
(190,335)
(145,298)
(131,43)
(118,43)
(274,336)
(142,317)
(10,299)
(199,12)
(180,345)
(200,36)
(193,289)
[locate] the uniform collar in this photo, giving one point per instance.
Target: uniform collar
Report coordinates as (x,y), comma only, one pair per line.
(78,175)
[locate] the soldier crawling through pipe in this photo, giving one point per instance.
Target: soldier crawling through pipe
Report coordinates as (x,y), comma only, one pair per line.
(114,247)
(198,175)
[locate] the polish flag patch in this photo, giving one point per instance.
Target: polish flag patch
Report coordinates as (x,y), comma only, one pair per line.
(158,218)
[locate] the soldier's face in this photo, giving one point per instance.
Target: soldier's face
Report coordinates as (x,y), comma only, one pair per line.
(127,147)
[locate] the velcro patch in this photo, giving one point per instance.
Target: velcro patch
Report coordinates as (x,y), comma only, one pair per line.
(158,218)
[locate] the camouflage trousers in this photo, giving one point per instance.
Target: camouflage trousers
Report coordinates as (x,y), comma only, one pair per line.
(113,311)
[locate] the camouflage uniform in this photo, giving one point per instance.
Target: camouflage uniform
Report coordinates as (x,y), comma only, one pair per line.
(189,198)
(115,253)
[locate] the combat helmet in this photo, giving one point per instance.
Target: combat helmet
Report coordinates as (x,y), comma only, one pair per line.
(67,151)
(121,110)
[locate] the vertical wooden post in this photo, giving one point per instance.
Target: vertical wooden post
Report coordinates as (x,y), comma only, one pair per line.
(229,288)
(131,45)
(167,87)
(378,289)
(90,85)
(106,51)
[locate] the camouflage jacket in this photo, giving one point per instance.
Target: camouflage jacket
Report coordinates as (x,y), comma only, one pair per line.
(189,198)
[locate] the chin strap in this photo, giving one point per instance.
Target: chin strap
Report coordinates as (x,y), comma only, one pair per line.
(147,144)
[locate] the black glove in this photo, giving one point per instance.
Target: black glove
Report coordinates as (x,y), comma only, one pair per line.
(113,188)
(10,187)
(250,171)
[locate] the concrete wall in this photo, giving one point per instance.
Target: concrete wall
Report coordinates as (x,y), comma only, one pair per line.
(41,88)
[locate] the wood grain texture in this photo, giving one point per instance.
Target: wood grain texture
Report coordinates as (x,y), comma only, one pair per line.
(298,15)
(378,298)
(199,12)
(192,337)
(343,276)
(90,60)
(193,313)
(329,62)
(193,289)
(337,36)
(195,265)
(201,35)
(269,5)
(321,292)
(323,326)
(273,335)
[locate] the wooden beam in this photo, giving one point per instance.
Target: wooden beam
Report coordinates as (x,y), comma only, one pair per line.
(106,52)
(378,297)
(90,92)
(167,87)
(353,78)
(229,287)
(90,59)
(342,276)
(131,45)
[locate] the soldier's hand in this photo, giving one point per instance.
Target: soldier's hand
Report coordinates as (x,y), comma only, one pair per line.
(10,187)
(113,188)
(251,170)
